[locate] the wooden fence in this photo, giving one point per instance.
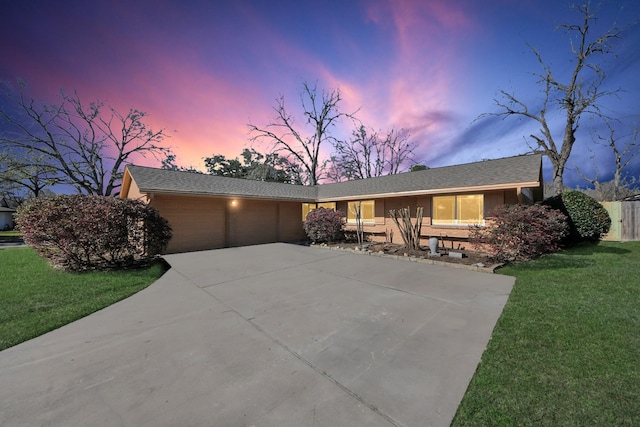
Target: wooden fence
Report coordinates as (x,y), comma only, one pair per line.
(625,221)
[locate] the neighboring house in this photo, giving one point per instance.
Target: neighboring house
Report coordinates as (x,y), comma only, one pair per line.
(6,215)
(208,212)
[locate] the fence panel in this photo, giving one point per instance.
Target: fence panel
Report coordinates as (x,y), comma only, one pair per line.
(615,212)
(630,213)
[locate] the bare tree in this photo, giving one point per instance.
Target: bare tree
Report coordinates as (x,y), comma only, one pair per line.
(360,157)
(607,192)
(87,146)
(400,150)
(321,114)
(621,158)
(12,191)
(580,94)
(27,171)
(618,187)
(367,154)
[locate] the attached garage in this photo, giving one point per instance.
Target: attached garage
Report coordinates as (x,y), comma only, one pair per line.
(211,212)
(198,223)
(201,223)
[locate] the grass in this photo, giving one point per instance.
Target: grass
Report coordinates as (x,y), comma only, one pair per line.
(566,350)
(35,298)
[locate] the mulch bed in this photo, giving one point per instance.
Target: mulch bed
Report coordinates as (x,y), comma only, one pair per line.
(469,258)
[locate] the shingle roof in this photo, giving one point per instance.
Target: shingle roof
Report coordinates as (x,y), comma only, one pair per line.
(510,170)
(150,180)
(517,170)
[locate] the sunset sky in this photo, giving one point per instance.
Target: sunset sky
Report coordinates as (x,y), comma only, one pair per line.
(204,69)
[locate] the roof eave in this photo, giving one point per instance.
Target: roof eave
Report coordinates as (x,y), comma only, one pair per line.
(150,191)
(531,184)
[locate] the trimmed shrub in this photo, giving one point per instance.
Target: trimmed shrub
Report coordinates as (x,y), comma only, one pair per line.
(324,225)
(518,232)
(588,219)
(81,232)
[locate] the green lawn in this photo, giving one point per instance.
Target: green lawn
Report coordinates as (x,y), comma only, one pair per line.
(566,350)
(35,299)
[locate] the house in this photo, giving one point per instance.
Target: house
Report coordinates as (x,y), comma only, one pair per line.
(208,212)
(6,215)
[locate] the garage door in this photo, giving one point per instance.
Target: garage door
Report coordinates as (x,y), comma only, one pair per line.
(198,223)
(253,222)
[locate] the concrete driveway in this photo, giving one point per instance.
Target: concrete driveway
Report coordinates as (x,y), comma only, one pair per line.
(269,335)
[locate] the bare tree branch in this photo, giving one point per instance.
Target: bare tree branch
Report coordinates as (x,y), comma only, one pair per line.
(579,95)
(367,154)
(618,187)
(86,146)
(28,171)
(320,113)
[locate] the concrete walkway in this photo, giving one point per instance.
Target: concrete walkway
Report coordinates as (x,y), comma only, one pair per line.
(270,335)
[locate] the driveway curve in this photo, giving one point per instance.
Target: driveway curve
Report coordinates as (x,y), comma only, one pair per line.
(268,335)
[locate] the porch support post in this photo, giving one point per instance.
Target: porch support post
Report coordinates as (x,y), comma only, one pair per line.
(519,193)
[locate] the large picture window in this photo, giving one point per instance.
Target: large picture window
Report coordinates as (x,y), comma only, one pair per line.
(308,207)
(463,209)
(368,211)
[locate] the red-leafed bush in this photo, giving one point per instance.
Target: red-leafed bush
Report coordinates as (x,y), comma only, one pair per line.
(518,232)
(324,225)
(93,232)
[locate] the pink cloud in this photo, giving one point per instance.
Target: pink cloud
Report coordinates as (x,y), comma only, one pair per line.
(202,114)
(415,20)
(422,90)
(410,91)
(205,105)
(205,115)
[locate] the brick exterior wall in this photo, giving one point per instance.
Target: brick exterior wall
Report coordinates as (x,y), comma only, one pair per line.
(385,228)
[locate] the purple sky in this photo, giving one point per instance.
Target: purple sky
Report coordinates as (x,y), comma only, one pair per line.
(204,69)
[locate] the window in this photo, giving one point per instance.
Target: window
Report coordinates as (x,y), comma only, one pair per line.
(463,209)
(327,205)
(368,211)
(308,207)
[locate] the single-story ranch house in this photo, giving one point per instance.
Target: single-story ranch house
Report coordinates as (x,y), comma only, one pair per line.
(209,212)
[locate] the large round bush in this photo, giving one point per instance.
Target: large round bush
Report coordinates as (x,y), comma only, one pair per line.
(324,225)
(520,232)
(78,232)
(588,219)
